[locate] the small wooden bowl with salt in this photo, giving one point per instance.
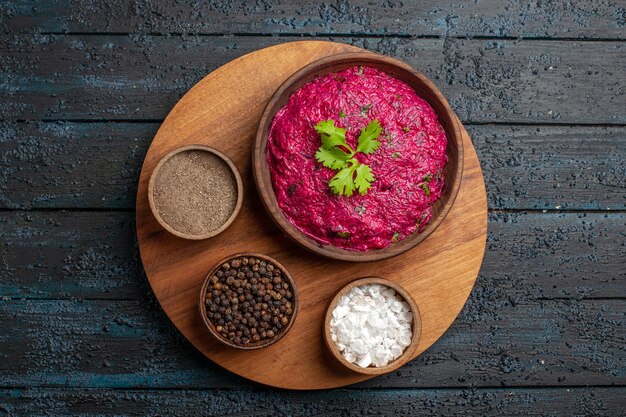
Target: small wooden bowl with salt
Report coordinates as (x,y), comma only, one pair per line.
(195,192)
(331,338)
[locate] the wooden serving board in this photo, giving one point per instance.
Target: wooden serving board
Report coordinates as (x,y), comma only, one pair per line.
(223,111)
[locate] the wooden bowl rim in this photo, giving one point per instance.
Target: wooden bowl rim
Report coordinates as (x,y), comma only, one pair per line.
(262,177)
(256,345)
(234,171)
(416,326)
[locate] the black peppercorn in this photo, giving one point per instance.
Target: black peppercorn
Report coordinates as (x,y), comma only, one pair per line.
(246,299)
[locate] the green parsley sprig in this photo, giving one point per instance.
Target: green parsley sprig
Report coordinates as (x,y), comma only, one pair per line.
(335,153)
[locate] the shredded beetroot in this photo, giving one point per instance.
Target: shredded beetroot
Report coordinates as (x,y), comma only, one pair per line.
(408,165)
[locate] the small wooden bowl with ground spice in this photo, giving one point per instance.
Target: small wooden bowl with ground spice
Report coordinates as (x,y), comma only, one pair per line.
(406,306)
(248,301)
(195,192)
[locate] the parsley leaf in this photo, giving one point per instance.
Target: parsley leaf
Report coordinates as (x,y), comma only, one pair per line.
(331,135)
(333,158)
(356,177)
(367,139)
(335,153)
(327,127)
(330,142)
(343,181)
(364,178)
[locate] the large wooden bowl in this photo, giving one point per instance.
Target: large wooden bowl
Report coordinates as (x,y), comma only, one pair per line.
(397,69)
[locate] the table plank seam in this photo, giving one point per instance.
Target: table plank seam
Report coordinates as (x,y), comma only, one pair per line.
(335,35)
(262,389)
(159,121)
(547,210)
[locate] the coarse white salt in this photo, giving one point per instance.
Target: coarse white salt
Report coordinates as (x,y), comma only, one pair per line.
(371,325)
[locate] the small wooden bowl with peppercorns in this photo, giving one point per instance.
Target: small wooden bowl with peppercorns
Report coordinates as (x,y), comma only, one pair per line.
(248,301)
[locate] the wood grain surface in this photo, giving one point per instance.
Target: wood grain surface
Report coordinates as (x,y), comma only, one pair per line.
(77,344)
(93,255)
(96,165)
(84,87)
(516,18)
(439,274)
(484,80)
(418,402)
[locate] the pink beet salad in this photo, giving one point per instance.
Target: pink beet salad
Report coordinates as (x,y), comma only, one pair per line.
(356,159)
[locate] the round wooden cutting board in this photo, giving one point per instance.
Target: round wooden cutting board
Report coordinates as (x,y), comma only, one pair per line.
(223,111)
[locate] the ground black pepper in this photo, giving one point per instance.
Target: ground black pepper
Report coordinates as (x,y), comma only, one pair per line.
(195,192)
(249,300)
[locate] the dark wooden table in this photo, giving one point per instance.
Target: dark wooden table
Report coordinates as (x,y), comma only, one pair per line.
(541,87)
